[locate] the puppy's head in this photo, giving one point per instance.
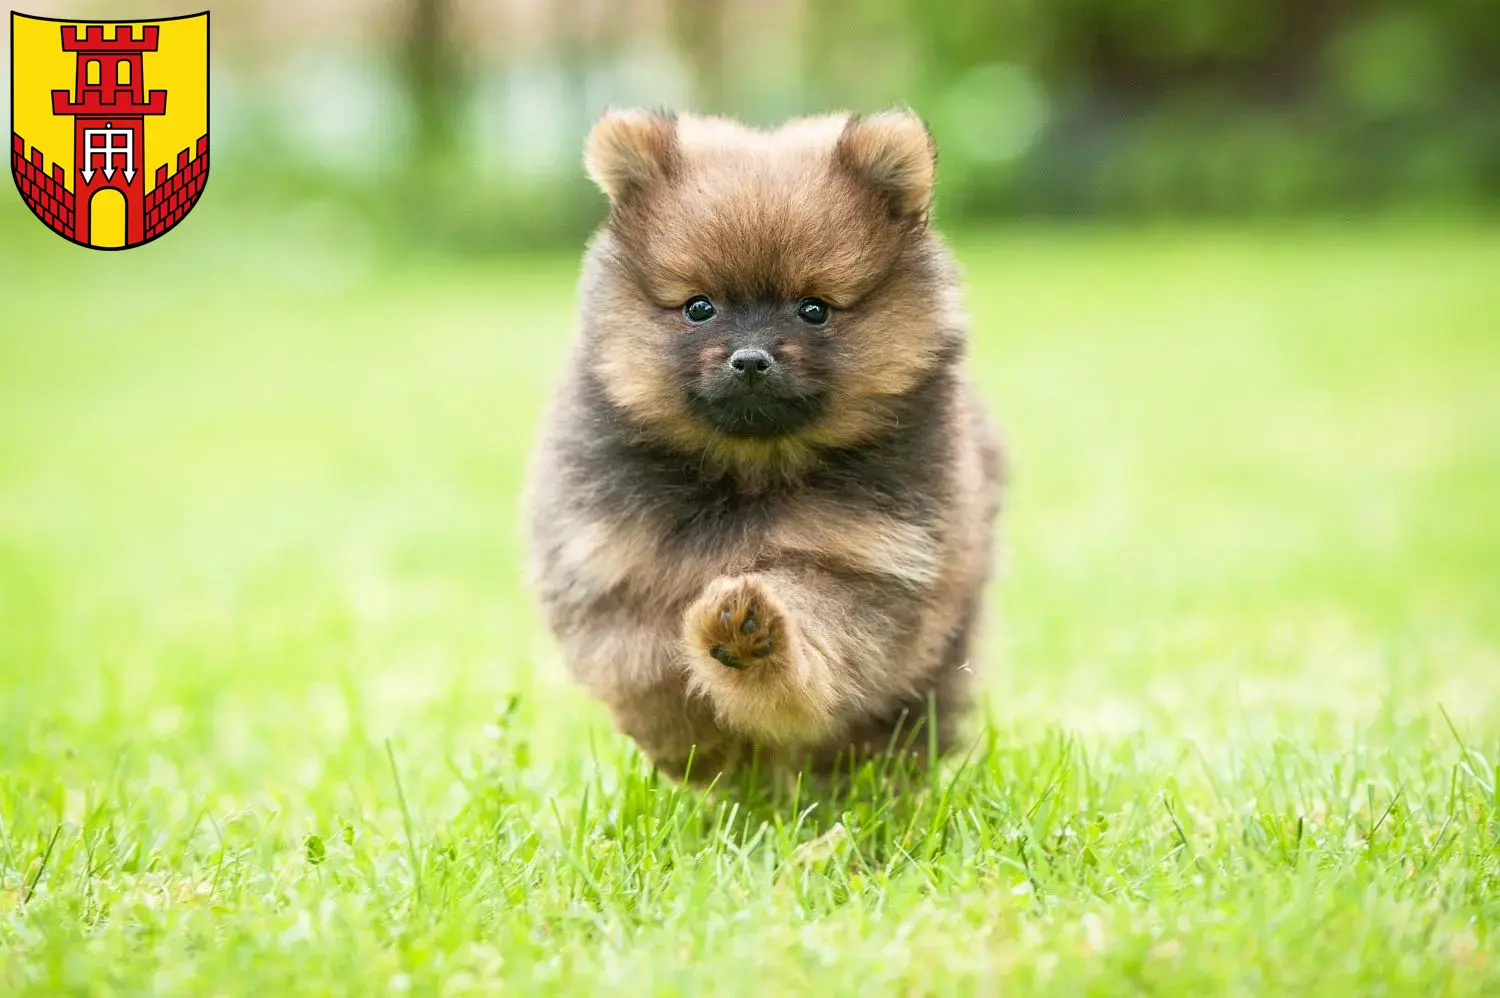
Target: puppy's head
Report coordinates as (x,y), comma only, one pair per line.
(764,294)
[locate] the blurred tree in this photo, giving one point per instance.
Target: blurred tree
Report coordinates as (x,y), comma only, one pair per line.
(698,31)
(433,78)
(1070,107)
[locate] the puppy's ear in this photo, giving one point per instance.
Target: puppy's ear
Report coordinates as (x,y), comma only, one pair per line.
(630,150)
(893,153)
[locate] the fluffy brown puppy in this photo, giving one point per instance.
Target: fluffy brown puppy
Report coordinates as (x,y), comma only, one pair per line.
(761,507)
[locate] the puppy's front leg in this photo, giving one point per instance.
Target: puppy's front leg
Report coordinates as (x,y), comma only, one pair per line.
(777,654)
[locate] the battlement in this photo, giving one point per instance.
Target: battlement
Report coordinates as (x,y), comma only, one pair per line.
(91,103)
(176,193)
(46,195)
(93,39)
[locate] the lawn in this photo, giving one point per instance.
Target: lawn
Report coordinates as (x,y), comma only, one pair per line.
(276,716)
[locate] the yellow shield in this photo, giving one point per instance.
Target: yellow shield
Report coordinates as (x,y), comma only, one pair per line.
(109,124)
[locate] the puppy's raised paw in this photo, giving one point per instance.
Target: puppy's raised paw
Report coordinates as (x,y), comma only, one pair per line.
(746,654)
(737,622)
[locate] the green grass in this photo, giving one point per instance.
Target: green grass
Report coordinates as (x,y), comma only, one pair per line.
(276,716)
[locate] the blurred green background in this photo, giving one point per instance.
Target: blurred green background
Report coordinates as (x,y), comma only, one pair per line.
(460,121)
(276,715)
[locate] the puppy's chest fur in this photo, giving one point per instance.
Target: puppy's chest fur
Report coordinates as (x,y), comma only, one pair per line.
(655,530)
(636,534)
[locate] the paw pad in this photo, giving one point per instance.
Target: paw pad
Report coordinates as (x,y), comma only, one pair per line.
(739,627)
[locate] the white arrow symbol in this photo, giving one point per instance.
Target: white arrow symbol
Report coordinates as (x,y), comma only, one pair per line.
(101,142)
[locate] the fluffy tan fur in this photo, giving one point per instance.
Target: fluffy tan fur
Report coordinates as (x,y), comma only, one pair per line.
(802,593)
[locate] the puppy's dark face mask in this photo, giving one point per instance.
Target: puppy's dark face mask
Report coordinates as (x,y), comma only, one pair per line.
(756,367)
(768,288)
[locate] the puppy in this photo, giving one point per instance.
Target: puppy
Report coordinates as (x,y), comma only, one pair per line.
(760,511)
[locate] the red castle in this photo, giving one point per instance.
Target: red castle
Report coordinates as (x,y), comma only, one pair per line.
(109,143)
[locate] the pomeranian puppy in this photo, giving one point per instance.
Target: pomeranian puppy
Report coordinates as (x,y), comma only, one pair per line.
(760,511)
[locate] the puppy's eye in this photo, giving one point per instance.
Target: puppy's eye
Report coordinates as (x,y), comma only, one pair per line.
(698,309)
(813,311)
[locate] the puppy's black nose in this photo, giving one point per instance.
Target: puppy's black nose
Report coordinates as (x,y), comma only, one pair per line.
(750,364)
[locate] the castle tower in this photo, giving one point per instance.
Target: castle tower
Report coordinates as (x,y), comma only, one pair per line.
(109,121)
